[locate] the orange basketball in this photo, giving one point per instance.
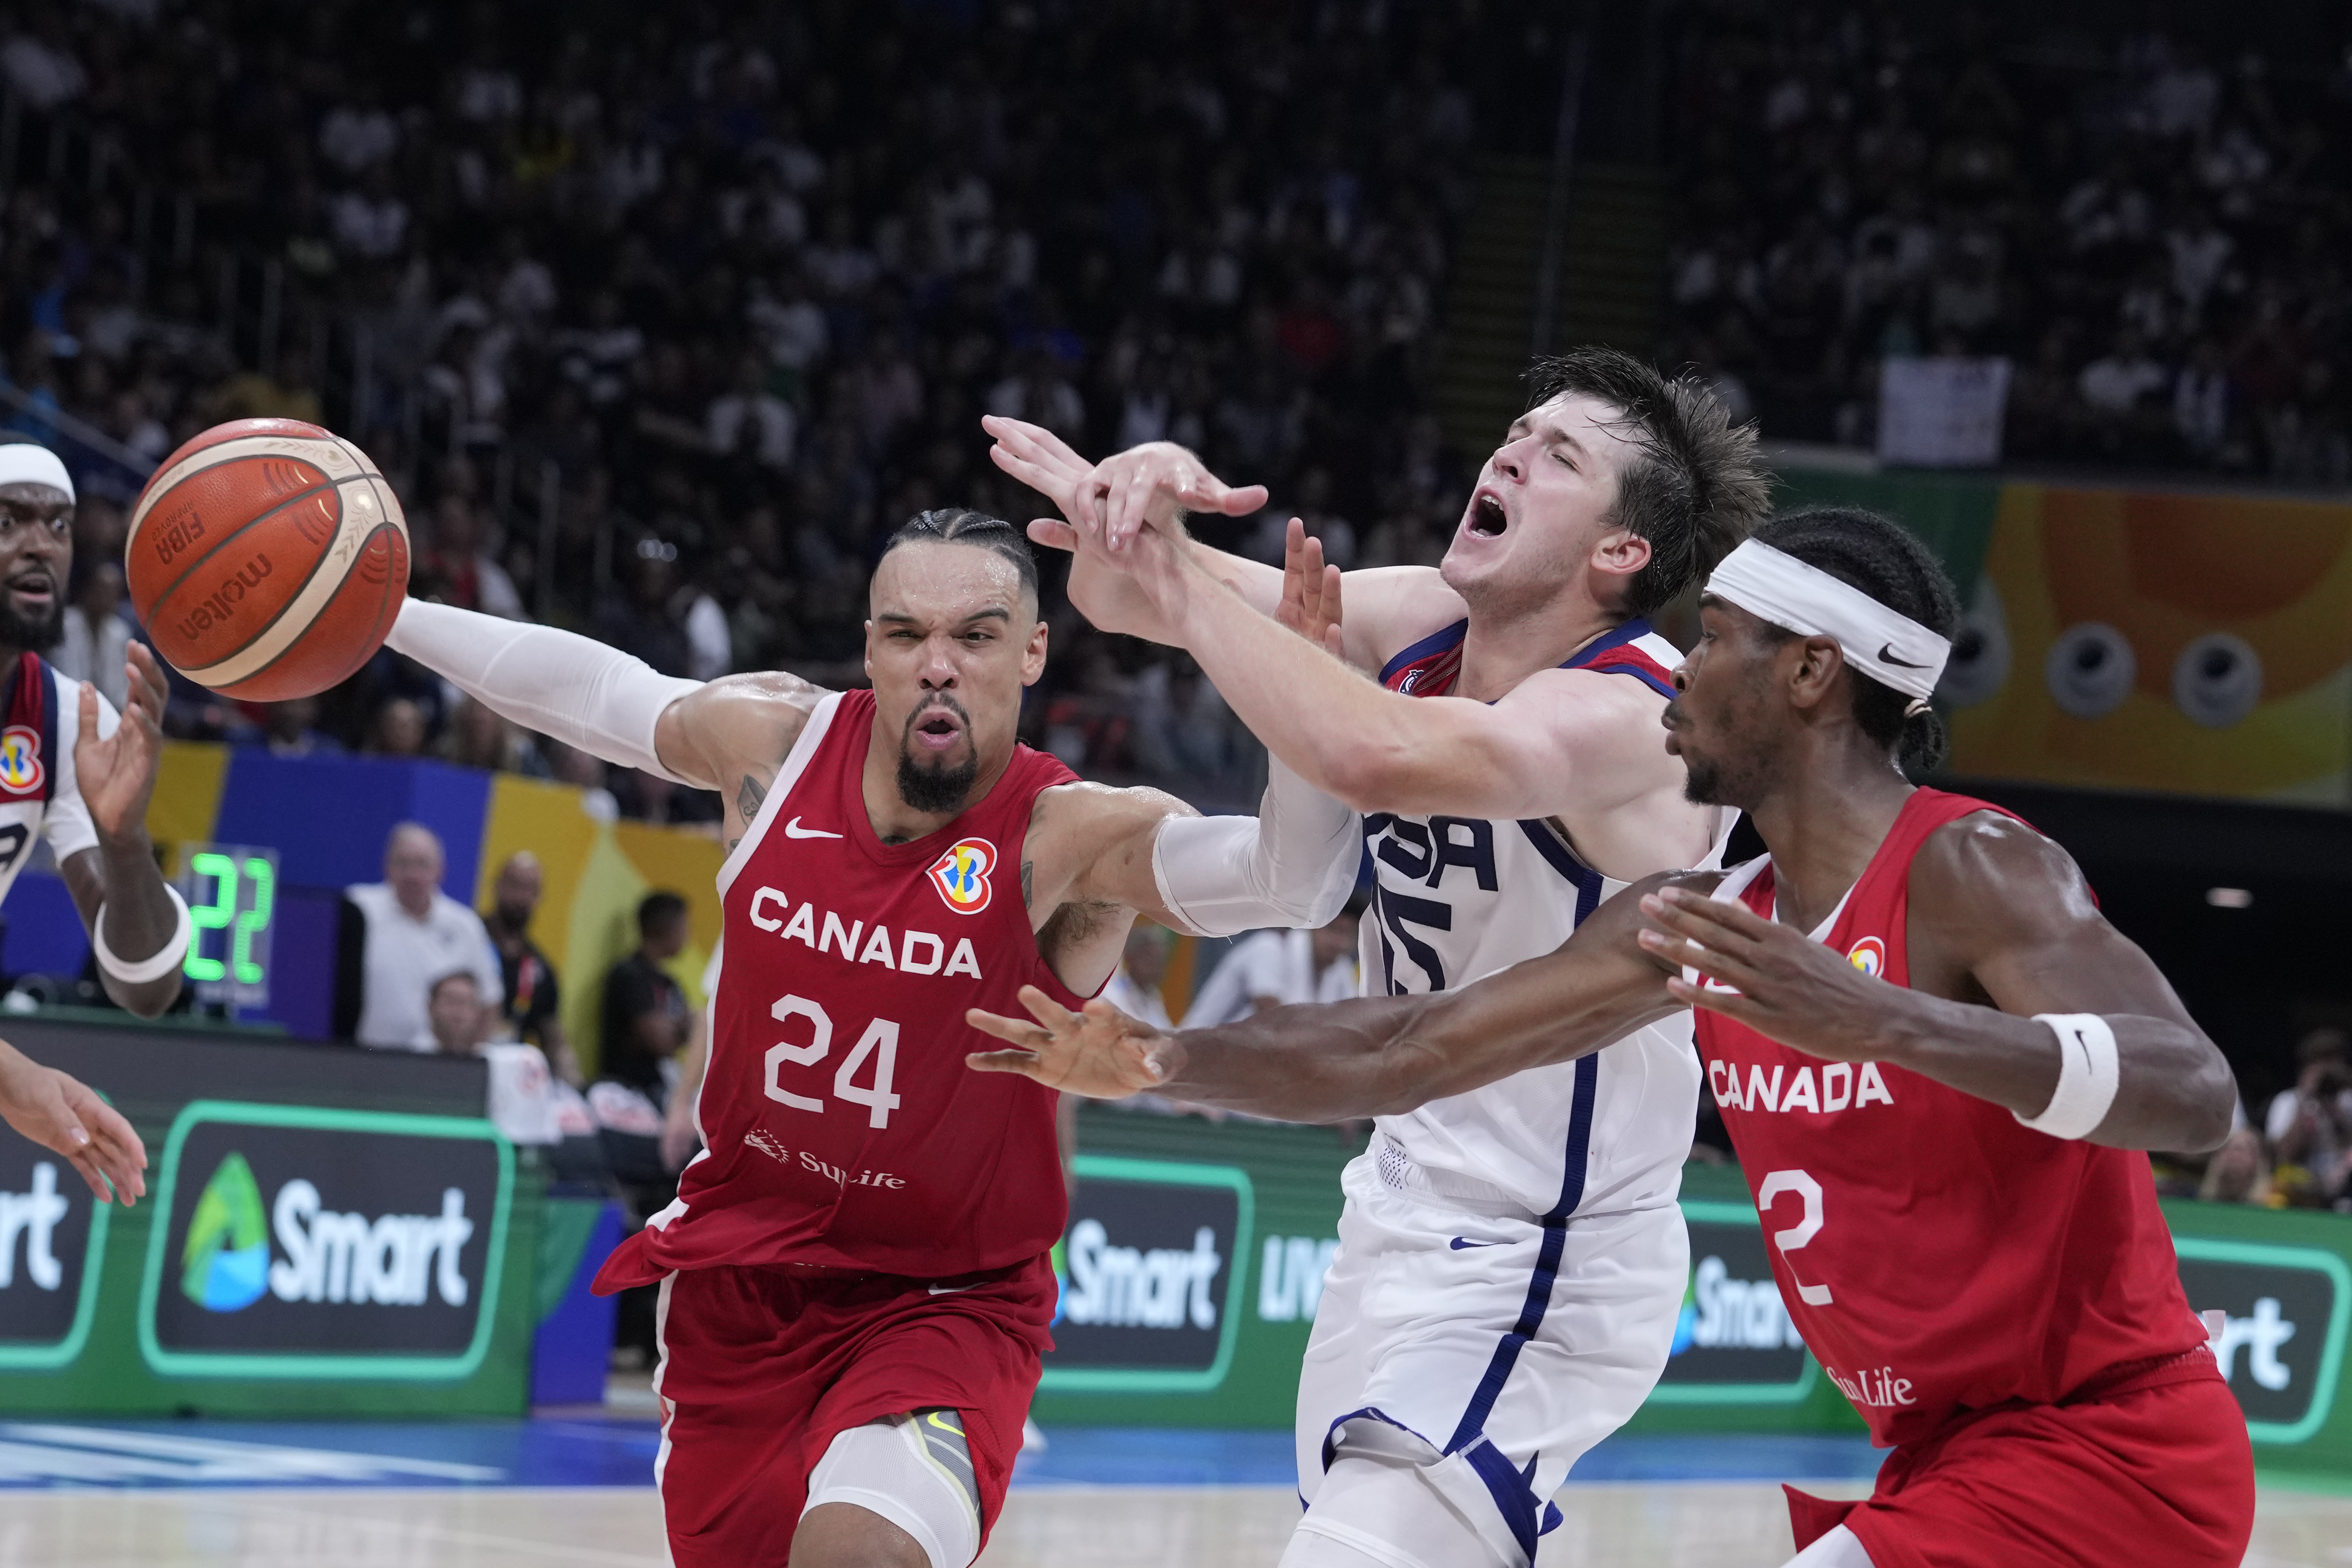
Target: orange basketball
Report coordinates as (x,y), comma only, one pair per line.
(268,559)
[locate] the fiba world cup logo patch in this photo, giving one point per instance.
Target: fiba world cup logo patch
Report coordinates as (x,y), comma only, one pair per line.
(1869,956)
(20,760)
(962,875)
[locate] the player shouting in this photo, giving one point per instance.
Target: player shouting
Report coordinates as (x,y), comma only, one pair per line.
(855,1279)
(1512,1261)
(1936,1060)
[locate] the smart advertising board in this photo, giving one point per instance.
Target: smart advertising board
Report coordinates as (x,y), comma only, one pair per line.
(1151,1272)
(52,1243)
(1734,1342)
(302,1241)
(327,1231)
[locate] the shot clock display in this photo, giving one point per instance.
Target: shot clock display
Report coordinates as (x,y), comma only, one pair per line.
(232,893)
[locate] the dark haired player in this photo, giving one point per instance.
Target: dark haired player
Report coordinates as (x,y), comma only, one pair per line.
(70,767)
(1937,1061)
(1512,1260)
(855,1279)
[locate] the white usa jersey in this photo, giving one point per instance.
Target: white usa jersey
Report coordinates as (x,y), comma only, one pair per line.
(1457,898)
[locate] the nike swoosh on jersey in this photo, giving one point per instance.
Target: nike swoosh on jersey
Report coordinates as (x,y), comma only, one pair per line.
(794,829)
(1460,1242)
(936,1289)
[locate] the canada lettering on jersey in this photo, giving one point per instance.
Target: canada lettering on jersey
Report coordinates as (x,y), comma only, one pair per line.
(912,952)
(1841,1086)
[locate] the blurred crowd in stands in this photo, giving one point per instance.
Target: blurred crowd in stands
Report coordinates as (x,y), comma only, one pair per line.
(2153,227)
(2295,1152)
(661,318)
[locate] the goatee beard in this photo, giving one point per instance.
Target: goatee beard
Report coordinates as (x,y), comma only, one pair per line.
(936,792)
(39,635)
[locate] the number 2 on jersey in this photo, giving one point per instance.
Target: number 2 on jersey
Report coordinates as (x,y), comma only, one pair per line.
(1808,1191)
(880,1041)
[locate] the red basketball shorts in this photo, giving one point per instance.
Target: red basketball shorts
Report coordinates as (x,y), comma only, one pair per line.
(761,1368)
(2162,1476)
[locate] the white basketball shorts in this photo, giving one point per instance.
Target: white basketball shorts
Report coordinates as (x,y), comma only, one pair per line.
(1480,1353)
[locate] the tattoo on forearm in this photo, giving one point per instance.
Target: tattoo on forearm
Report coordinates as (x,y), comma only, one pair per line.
(748,798)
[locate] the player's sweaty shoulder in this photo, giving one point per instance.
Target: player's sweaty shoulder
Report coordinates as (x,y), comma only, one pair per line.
(1390,609)
(1985,879)
(737,725)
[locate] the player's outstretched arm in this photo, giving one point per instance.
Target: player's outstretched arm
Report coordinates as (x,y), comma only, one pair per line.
(1366,1057)
(1562,743)
(601,700)
(1104,505)
(2000,913)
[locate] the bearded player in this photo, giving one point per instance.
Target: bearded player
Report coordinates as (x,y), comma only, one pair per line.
(1938,1062)
(1512,1260)
(854,1277)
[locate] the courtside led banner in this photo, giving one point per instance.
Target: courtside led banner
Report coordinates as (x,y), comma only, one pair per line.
(52,1240)
(1153,1272)
(1734,1342)
(2284,1315)
(295,1241)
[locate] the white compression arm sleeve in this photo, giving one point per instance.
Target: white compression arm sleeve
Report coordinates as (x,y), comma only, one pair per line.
(1292,864)
(576,690)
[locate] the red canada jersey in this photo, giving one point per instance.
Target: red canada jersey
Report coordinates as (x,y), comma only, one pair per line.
(1936,1255)
(841,1128)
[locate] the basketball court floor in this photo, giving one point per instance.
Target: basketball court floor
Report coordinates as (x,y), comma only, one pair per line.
(526,1494)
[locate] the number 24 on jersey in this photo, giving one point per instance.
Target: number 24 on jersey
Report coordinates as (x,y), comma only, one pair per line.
(880,1042)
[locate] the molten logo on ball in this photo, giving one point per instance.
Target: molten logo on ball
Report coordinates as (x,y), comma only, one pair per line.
(218,605)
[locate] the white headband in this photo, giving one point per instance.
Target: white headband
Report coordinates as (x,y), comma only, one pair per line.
(24,463)
(1877,641)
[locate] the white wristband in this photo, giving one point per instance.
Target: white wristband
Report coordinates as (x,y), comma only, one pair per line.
(146,969)
(2088,1076)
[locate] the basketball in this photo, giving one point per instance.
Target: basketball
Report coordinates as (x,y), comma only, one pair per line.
(266,558)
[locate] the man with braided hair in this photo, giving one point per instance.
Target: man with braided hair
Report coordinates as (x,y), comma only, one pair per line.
(1511,1260)
(1939,1066)
(855,1282)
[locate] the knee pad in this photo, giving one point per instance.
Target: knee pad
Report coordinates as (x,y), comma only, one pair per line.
(1391,1499)
(915,1470)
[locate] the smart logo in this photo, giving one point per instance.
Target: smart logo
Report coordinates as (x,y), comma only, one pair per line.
(224,1267)
(1153,1275)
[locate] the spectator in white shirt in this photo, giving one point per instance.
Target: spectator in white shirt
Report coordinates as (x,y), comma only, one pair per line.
(526,1101)
(1270,969)
(752,421)
(401,935)
(2119,383)
(1134,987)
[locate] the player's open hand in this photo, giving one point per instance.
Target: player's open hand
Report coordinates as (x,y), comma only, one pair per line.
(1781,982)
(1310,593)
(1047,463)
(63,1115)
(1152,486)
(1098,1051)
(117,774)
